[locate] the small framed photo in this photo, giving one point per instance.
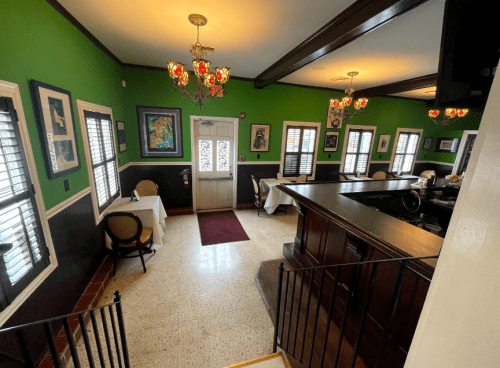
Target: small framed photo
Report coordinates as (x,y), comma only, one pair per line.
(259,137)
(160,132)
(120,134)
(427,143)
(383,142)
(447,144)
(334,118)
(331,142)
(56,128)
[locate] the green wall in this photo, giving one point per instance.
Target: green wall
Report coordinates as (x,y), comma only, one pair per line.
(275,104)
(36,42)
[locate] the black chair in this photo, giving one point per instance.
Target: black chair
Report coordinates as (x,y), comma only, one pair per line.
(259,198)
(343,177)
(127,234)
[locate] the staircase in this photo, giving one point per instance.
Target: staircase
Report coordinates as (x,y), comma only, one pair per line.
(275,360)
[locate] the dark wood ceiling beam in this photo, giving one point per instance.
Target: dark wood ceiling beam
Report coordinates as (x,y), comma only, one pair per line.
(360,18)
(397,87)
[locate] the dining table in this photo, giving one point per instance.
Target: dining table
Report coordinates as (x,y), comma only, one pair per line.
(150,211)
(275,196)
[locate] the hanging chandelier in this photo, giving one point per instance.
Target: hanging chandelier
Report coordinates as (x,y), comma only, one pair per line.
(201,68)
(340,108)
(450,115)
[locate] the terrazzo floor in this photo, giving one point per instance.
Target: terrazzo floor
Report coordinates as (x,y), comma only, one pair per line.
(199,306)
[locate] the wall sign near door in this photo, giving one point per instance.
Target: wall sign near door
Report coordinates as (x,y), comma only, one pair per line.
(56,128)
(160,131)
(259,137)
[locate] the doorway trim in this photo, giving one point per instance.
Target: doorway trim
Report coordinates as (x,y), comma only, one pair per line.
(461,149)
(194,171)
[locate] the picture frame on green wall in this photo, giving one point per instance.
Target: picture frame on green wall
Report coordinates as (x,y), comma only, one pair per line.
(120,136)
(383,142)
(331,142)
(259,137)
(56,128)
(160,132)
(427,143)
(444,144)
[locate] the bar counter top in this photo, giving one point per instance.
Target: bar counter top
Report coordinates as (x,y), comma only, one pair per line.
(398,237)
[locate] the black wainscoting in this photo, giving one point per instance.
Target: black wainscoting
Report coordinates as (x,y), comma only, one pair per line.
(170,184)
(245,186)
(327,172)
(79,246)
(374,167)
(440,169)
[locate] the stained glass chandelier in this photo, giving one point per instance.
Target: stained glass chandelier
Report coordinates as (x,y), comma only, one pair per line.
(201,68)
(450,115)
(341,107)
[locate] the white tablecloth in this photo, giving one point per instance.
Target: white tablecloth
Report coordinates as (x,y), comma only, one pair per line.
(149,209)
(354,177)
(275,196)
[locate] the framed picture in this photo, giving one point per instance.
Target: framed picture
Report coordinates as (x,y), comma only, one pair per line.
(447,144)
(160,131)
(56,128)
(427,143)
(334,118)
(120,135)
(383,142)
(259,137)
(331,142)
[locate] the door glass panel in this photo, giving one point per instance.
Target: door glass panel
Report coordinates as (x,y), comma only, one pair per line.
(205,149)
(223,155)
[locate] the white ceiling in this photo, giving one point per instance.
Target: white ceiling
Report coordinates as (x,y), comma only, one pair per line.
(249,36)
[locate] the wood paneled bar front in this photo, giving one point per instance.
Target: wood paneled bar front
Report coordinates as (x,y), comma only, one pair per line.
(335,229)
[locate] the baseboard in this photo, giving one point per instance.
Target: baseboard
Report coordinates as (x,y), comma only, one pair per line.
(179,211)
(245,206)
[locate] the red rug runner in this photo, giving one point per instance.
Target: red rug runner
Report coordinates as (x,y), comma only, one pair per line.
(220,227)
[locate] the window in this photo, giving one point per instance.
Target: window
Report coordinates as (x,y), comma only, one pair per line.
(299,149)
(357,149)
(405,151)
(24,253)
(101,155)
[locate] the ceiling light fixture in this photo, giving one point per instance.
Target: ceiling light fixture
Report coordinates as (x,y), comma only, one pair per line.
(340,107)
(201,69)
(451,114)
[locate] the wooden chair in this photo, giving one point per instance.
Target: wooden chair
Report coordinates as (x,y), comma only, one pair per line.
(383,175)
(301,178)
(127,234)
(259,198)
(428,174)
(147,188)
(343,177)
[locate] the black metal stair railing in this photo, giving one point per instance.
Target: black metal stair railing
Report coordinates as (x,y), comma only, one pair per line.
(303,303)
(113,334)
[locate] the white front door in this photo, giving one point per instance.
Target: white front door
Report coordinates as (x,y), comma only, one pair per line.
(214,154)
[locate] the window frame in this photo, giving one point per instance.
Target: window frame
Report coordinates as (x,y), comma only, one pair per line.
(348,129)
(395,146)
(88,106)
(301,124)
(11,90)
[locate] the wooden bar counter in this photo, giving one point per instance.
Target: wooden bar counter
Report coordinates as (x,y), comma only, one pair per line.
(334,229)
